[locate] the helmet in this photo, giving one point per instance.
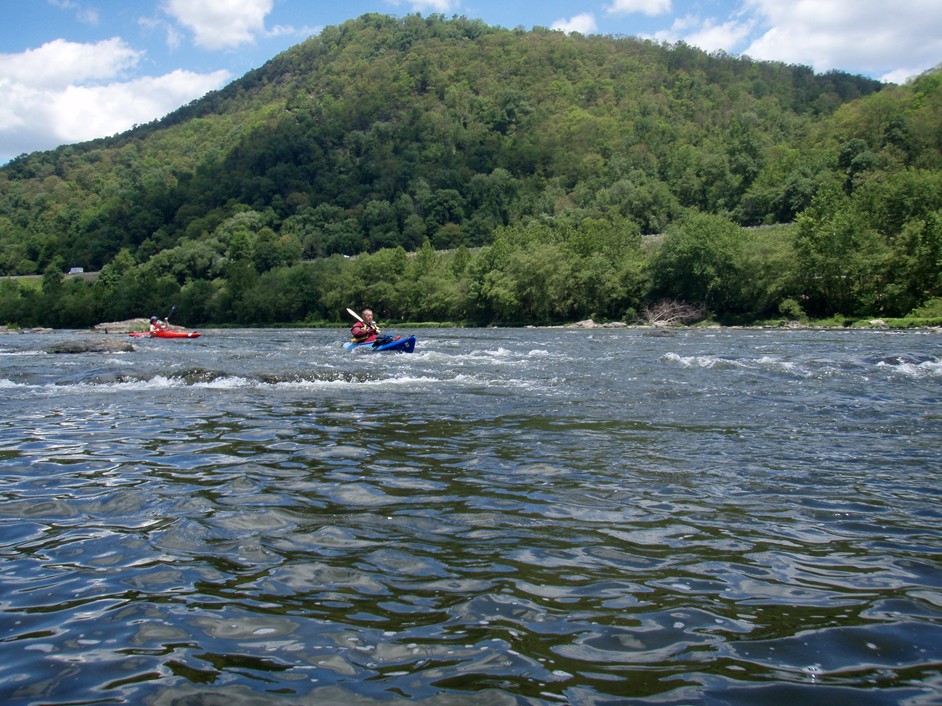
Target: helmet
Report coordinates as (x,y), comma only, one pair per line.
(153,318)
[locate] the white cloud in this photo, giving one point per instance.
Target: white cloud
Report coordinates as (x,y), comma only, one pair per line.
(583,24)
(645,7)
(836,34)
(892,41)
(86,112)
(289,31)
(221,24)
(711,36)
(902,75)
(173,37)
(441,6)
(707,34)
(59,63)
(86,15)
(65,92)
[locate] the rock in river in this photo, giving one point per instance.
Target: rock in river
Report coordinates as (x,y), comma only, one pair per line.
(91,345)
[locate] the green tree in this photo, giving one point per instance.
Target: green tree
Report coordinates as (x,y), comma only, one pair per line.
(843,259)
(918,262)
(380,224)
(198,303)
(699,263)
(53,277)
(192,259)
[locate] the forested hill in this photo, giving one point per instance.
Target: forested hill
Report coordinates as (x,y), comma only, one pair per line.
(383,132)
(554,153)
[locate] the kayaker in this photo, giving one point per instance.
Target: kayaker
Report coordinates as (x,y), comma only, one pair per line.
(157,325)
(365,331)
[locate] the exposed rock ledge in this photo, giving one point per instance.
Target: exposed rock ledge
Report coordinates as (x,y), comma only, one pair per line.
(131,326)
(92,345)
(589,323)
(128,326)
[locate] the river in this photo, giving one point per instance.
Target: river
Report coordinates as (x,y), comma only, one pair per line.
(504,516)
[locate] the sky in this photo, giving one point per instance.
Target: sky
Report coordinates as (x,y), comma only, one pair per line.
(75,70)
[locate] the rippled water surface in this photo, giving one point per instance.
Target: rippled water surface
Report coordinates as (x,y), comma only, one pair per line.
(503,517)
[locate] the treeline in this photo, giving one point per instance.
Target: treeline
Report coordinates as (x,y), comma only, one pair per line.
(848,255)
(568,177)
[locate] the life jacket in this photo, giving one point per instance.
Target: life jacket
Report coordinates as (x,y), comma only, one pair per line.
(364,333)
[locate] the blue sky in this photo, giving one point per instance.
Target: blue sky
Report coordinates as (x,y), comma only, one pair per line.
(74,70)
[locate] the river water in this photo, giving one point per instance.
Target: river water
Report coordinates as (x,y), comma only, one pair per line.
(505,516)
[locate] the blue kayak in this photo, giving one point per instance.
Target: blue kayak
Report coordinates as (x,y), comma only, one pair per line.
(397,345)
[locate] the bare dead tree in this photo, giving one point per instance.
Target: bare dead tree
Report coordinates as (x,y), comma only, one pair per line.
(669,312)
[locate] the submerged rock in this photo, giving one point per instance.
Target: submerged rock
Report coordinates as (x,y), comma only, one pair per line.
(89,345)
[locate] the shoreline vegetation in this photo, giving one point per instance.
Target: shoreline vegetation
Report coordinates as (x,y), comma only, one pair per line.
(140,324)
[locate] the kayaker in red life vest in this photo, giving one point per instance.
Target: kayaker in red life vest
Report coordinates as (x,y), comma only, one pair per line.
(157,325)
(365,331)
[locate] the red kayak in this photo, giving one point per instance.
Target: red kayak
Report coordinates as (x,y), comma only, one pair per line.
(166,334)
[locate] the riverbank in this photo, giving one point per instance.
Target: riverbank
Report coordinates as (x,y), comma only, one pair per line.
(929,324)
(829,325)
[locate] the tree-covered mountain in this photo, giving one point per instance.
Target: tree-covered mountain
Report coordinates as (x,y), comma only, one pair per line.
(386,133)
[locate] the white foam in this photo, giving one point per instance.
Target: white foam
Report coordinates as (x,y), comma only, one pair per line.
(691,361)
(926,369)
(225,383)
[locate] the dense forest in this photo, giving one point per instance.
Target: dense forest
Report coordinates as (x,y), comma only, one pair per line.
(444,170)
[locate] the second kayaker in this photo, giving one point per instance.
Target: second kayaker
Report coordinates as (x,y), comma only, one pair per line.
(157,325)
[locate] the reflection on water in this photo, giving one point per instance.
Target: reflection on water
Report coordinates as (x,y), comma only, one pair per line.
(525,516)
